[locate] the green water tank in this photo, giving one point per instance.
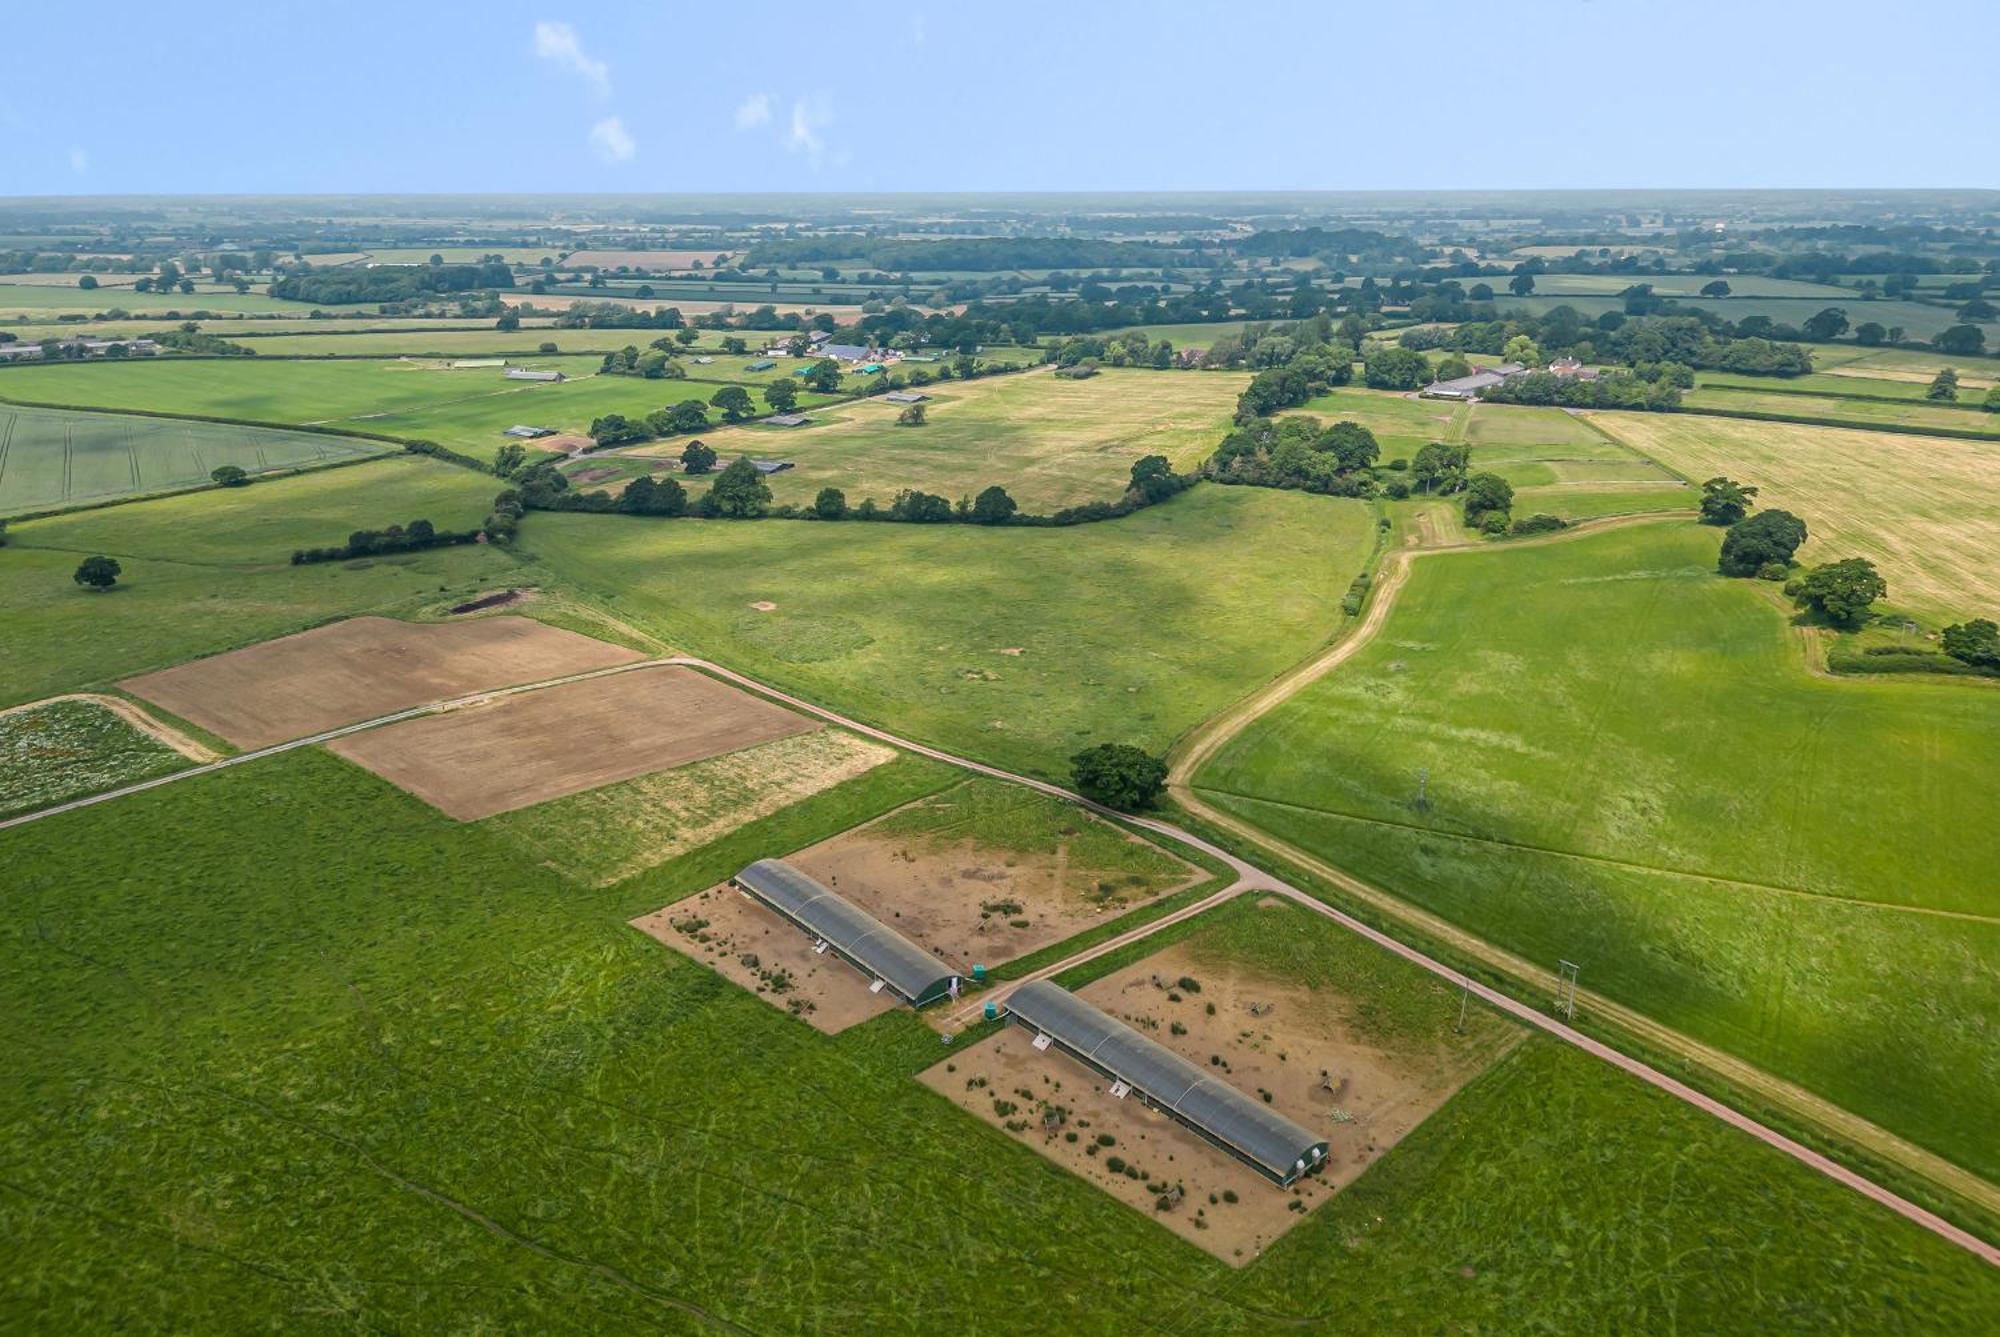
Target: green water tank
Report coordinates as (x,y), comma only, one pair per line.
(979,974)
(993,1011)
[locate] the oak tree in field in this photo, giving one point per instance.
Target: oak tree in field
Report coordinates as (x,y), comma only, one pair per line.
(993,507)
(1944,387)
(1725,501)
(1118,775)
(1826,325)
(1961,340)
(1841,590)
(734,401)
(1870,334)
(646,495)
(739,492)
(615,429)
(690,415)
(782,395)
(98,573)
(1440,468)
(1152,478)
(1976,642)
(1487,494)
(1715,288)
(824,376)
(830,504)
(1521,284)
(228,475)
(1766,539)
(87,282)
(1992,401)
(697,458)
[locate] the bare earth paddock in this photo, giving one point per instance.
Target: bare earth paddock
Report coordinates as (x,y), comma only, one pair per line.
(523,749)
(363,668)
(747,944)
(1286,1044)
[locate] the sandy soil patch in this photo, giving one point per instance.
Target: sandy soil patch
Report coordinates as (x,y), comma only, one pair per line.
(363,668)
(746,944)
(1293,1047)
(972,903)
(565,443)
(765,606)
(533,746)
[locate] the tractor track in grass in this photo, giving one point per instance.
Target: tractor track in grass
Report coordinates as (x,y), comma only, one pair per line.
(1206,741)
(1249,877)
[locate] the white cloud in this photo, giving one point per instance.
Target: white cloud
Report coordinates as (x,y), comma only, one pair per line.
(558,44)
(79,161)
(810,116)
(611,141)
(755,111)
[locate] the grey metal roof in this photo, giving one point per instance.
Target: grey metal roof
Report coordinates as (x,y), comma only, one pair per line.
(1250,1128)
(871,944)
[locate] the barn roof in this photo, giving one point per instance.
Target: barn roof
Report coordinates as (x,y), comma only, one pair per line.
(1209,1105)
(862,939)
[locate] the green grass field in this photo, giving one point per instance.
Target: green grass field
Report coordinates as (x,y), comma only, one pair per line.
(1919,320)
(37,299)
(1402,425)
(349,1064)
(1559,464)
(50,458)
(66,749)
(1050,442)
(209,571)
(1629,767)
(1130,630)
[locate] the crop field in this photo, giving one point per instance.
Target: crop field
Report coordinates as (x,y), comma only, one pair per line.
(426,341)
(351,393)
(1050,442)
(65,749)
(1902,362)
(1914,414)
(34,299)
(361,668)
(208,571)
(527,748)
(1685,286)
(368,1052)
(1852,379)
(1019,646)
(1925,510)
(50,458)
(1593,794)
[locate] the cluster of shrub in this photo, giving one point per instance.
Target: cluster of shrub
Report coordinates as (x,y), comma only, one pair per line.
(188,338)
(1943,389)
(413,537)
(1655,387)
(1698,341)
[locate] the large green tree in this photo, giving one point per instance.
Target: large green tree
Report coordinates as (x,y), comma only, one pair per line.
(1976,642)
(739,492)
(1842,590)
(697,458)
(1487,494)
(734,401)
(1725,501)
(993,507)
(1118,775)
(1766,539)
(98,573)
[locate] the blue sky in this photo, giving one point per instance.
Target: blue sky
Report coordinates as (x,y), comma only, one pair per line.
(667,97)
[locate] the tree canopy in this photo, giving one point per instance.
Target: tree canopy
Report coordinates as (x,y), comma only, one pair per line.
(98,573)
(1768,538)
(1842,590)
(1118,775)
(1725,501)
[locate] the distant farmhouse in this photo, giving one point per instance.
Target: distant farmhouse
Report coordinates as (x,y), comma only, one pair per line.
(1468,387)
(905,397)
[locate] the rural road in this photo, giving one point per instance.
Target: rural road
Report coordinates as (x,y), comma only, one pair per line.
(1248,877)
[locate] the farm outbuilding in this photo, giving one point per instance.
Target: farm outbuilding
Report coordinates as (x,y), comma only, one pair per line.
(1252,1132)
(905,397)
(761,364)
(788,420)
(857,937)
(530,374)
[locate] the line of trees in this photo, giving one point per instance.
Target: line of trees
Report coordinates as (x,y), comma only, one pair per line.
(389,283)
(413,537)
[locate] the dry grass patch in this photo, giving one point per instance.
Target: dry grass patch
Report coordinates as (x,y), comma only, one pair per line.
(611,833)
(363,668)
(1925,510)
(1050,442)
(538,745)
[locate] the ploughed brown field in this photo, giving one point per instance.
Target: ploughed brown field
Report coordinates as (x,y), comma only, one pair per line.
(526,748)
(363,668)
